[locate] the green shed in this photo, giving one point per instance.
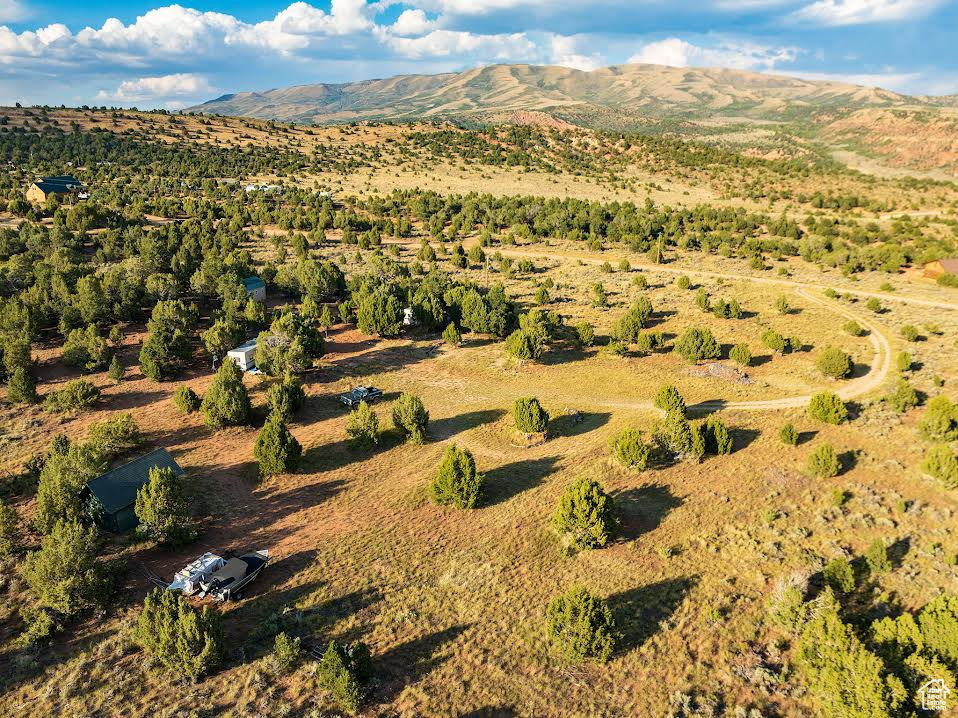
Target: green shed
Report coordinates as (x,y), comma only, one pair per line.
(110,499)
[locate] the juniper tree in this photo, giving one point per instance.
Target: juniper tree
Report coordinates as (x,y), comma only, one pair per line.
(362,427)
(585,517)
(788,435)
(185,399)
(287,397)
(76,395)
(718,440)
(630,450)
(697,344)
(457,482)
(325,318)
(839,575)
(21,387)
(903,362)
(903,397)
(941,463)
(86,349)
(162,507)
(114,436)
(287,651)
(876,557)
(845,678)
(669,400)
(276,450)
(523,344)
(828,408)
(775,341)
(451,336)
(823,462)
(184,639)
(584,334)
(580,626)
(169,343)
(834,363)
(411,418)
(9,529)
(741,354)
(65,472)
(529,416)
(344,671)
(64,575)
(116,371)
(940,420)
(226,402)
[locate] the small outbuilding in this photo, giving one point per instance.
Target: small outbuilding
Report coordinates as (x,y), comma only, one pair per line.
(255,288)
(110,499)
(935,269)
(62,185)
(244,356)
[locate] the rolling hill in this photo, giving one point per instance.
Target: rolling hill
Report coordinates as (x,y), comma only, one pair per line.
(619,96)
(872,129)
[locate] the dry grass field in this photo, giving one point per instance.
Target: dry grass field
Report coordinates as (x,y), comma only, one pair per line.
(452,603)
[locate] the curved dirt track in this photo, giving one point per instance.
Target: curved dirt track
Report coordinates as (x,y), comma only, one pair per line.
(877,372)
(876,376)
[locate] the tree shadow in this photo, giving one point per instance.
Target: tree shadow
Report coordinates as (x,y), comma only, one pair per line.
(743,438)
(510,480)
(131,399)
(409,662)
(761,360)
(805,436)
(704,408)
(561,354)
(859,370)
(20,665)
(847,461)
(447,428)
(639,611)
(182,435)
(898,550)
(578,423)
(642,509)
(338,454)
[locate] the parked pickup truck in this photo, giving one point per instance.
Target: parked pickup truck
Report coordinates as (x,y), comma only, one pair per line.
(369,394)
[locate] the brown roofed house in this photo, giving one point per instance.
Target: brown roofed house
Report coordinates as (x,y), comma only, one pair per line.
(935,269)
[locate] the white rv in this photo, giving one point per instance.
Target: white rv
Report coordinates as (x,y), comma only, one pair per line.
(244,356)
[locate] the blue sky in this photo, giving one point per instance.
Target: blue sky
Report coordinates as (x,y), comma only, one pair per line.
(151,54)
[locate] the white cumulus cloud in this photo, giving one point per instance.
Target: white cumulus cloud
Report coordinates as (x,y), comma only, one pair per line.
(860,12)
(566,53)
(447,43)
(181,84)
(12,11)
(412,22)
(676,52)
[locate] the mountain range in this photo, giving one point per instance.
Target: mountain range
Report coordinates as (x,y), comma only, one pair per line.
(871,128)
(613,97)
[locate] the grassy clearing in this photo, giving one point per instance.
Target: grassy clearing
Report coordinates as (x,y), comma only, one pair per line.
(453,603)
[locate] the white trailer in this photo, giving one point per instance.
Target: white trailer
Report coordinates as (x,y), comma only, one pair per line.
(244,356)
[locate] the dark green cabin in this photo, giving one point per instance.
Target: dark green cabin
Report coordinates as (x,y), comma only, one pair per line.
(110,499)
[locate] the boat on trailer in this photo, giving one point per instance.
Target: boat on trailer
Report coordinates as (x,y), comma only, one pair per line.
(219,576)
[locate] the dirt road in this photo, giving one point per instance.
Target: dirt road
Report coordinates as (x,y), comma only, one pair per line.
(873,380)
